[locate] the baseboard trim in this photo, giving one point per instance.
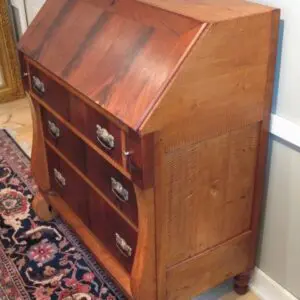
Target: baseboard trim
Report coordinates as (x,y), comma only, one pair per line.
(267,289)
(285,129)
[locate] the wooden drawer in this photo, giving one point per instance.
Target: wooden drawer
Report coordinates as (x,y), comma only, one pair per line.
(95,126)
(119,238)
(99,129)
(64,140)
(55,95)
(115,233)
(109,180)
(68,185)
(112,183)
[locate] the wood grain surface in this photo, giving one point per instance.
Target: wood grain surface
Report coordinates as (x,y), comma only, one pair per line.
(221,85)
(208,269)
(11,87)
(105,224)
(110,202)
(80,135)
(74,191)
(39,164)
(201,183)
(187,95)
(25,131)
(211,10)
(104,49)
(102,255)
(66,142)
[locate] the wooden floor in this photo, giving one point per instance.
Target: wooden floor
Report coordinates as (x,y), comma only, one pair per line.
(15,116)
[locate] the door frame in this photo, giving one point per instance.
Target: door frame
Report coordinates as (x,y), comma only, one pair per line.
(9,63)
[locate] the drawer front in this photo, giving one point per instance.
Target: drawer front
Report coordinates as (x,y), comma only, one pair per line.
(55,95)
(64,140)
(112,183)
(118,237)
(100,130)
(66,183)
(95,126)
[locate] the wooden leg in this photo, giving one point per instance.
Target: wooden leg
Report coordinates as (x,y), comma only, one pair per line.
(42,208)
(241,283)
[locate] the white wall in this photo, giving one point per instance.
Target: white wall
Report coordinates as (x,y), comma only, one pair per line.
(289,87)
(279,253)
(32,8)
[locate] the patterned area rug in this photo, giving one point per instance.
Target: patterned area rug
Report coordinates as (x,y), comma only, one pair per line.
(40,260)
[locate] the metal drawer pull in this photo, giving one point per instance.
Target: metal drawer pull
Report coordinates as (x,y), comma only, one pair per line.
(60,179)
(118,189)
(122,245)
(53,130)
(38,85)
(129,161)
(104,138)
(128,153)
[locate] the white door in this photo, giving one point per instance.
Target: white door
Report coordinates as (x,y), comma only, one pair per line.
(24,12)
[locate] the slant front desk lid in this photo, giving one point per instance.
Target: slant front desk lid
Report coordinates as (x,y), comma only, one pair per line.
(120,54)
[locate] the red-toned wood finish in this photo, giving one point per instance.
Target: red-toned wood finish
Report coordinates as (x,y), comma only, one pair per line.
(112,230)
(50,91)
(102,220)
(88,121)
(64,140)
(77,112)
(106,178)
(101,48)
(96,168)
(150,134)
(68,185)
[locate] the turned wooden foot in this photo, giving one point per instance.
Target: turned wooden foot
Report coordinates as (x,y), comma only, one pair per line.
(42,208)
(241,283)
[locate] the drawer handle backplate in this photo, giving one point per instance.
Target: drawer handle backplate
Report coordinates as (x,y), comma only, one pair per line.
(53,130)
(106,140)
(120,192)
(60,179)
(123,247)
(38,85)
